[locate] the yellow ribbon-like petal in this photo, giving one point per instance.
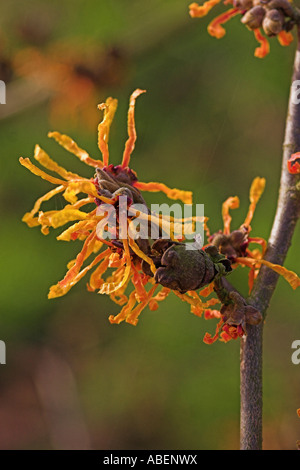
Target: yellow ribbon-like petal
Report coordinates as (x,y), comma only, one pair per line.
(289,276)
(109,107)
(256,190)
(230,203)
(110,287)
(184,196)
(43,158)
(69,144)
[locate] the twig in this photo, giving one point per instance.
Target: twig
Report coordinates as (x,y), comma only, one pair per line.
(287,214)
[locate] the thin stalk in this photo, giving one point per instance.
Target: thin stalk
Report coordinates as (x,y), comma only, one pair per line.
(287,214)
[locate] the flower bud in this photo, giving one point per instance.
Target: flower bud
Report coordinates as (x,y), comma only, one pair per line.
(238,313)
(253,18)
(273,22)
(243,4)
(283,5)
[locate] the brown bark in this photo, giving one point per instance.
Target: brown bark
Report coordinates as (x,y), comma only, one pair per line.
(287,214)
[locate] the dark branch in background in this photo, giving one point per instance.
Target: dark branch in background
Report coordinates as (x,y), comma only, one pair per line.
(287,214)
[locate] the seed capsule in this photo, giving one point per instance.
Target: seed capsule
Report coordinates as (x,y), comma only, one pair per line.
(253,18)
(282,5)
(273,22)
(183,269)
(243,4)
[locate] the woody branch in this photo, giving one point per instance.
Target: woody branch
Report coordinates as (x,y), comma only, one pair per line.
(287,215)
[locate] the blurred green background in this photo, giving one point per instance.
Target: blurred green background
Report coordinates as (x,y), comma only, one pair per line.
(212,119)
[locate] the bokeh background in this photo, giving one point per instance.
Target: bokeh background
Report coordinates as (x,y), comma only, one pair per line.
(212,119)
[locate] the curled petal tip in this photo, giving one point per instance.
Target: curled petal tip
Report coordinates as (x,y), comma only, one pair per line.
(215,29)
(197,11)
(138,92)
(264,47)
(285,38)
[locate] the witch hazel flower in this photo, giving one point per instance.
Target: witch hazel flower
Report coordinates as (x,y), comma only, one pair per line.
(135,265)
(143,272)
(266,18)
(237,246)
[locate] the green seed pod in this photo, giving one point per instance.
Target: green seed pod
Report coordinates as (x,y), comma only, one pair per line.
(253,18)
(273,22)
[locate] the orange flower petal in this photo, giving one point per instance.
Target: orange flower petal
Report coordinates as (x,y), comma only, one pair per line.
(132,317)
(141,293)
(141,254)
(230,203)
(80,258)
(162,294)
(96,277)
(215,29)
(260,241)
(208,338)
(109,107)
(43,158)
(184,196)
(264,48)
(197,11)
(84,186)
(130,143)
(36,171)
(210,314)
(67,143)
(256,190)
(56,219)
(77,228)
(233,331)
(28,218)
(225,337)
(110,287)
(251,278)
(294,164)
(207,290)
(285,38)
(289,276)
(192,298)
(125,310)
(211,302)
(72,277)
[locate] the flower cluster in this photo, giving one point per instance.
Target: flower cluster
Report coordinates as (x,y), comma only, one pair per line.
(142,272)
(235,245)
(275,17)
(132,261)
